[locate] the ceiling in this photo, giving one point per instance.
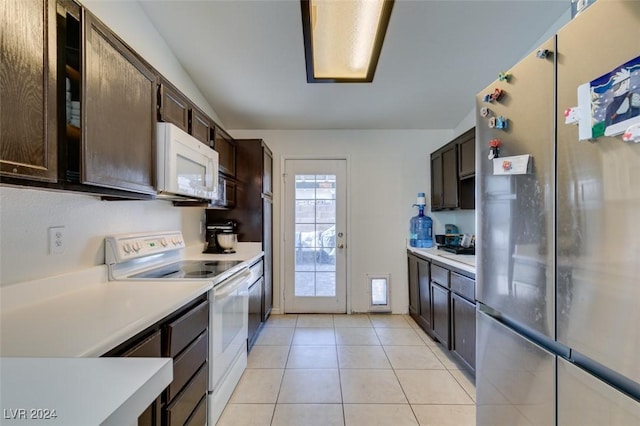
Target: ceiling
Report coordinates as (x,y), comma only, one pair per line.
(247,58)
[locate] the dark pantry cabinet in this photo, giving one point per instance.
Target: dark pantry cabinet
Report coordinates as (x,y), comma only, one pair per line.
(254,206)
(28,116)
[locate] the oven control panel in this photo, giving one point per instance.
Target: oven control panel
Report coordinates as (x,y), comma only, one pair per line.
(120,248)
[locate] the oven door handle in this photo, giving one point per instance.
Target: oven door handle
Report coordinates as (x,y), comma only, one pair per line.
(230,285)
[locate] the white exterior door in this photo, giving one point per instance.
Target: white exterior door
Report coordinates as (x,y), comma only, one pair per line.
(315,236)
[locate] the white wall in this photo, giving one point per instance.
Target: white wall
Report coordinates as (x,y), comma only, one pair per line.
(386,170)
(26,215)
(128,20)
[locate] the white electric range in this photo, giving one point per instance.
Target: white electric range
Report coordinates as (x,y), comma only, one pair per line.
(161,256)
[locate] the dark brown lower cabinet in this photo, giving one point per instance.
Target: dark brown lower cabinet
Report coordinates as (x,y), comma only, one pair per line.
(424,277)
(255,310)
(441,314)
(151,347)
(185,404)
(199,416)
(463,330)
(183,336)
(414,294)
(442,302)
(419,293)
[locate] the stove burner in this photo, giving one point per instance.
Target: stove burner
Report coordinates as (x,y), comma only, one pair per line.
(199,274)
(186,269)
(222,264)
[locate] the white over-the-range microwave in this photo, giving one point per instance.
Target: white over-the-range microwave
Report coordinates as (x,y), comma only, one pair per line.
(185,166)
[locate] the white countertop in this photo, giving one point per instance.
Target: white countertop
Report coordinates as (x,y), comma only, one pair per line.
(92,320)
(112,391)
(465,262)
(84,315)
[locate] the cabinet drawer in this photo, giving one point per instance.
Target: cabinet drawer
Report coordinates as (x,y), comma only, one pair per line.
(187,363)
(185,329)
(181,408)
(464,286)
(148,348)
(440,275)
(256,270)
(199,416)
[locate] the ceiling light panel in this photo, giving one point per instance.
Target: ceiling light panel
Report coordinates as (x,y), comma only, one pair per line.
(345,38)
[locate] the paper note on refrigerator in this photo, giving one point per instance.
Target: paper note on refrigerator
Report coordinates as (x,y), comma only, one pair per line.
(514,165)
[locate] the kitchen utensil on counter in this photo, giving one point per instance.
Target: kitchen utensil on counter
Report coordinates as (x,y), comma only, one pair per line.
(451,235)
(213,244)
(227,241)
(465,240)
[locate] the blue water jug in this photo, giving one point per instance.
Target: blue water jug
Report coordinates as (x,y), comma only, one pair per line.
(421,226)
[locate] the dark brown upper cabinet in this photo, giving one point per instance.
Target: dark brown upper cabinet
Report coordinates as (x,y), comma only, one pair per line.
(444,178)
(467,154)
(28,128)
(453,174)
(225,145)
(200,126)
(436,181)
(467,169)
(267,167)
(118,113)
(173,106)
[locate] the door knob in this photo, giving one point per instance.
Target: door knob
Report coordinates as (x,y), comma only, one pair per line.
(340,246)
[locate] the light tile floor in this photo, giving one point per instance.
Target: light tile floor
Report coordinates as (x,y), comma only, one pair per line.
(350,370)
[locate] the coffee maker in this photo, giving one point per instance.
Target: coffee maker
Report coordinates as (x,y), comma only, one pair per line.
(213,229)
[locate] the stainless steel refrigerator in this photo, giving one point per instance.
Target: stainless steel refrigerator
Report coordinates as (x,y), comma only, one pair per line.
(558,231)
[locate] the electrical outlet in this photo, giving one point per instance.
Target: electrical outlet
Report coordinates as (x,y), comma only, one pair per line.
(56,240)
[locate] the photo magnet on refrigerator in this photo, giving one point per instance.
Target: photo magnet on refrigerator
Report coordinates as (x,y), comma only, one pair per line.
(608,105)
